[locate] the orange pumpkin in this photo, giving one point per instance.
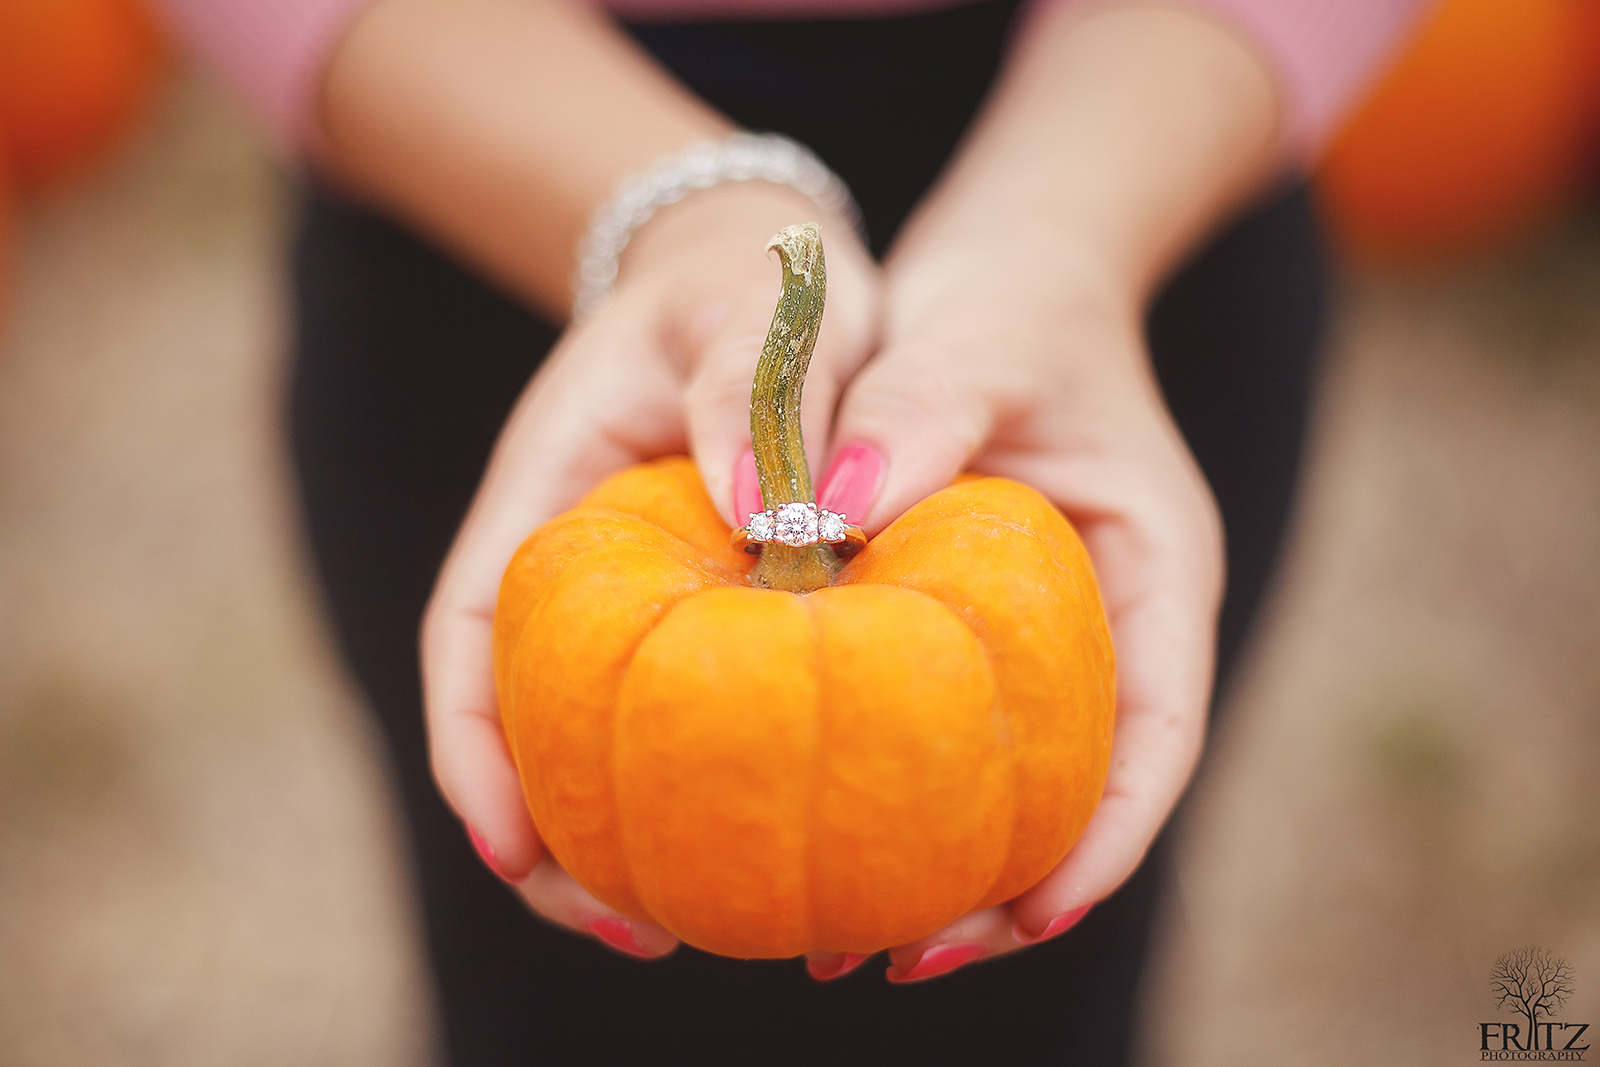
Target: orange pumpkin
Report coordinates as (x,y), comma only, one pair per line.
(71,74)
(6,225)
(768,772)
(1589,63)
(1471,139)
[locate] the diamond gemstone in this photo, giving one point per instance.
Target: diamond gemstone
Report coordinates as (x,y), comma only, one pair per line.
(796,524)
(830,527)
(761,526)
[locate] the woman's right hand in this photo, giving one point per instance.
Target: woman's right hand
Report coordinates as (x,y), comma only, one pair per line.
(497,126)
(665,368)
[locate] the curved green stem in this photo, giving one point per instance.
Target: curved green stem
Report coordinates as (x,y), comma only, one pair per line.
(775,408)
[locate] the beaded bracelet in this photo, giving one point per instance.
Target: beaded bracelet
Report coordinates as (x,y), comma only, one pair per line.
(739,157)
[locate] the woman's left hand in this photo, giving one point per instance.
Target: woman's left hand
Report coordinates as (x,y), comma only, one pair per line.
(1117,137)
(983,371)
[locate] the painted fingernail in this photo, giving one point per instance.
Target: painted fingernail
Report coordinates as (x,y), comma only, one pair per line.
(1060,924)
(486,854)
(851,482)
(746,488)
(827,966)
(941,959)
(617,933)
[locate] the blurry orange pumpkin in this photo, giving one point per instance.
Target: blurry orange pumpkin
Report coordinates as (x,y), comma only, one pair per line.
(71,73)
(1473,136)
(1589,64)
(6,231)
(767,773)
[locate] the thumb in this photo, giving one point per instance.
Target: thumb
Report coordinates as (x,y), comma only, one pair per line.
(907,425)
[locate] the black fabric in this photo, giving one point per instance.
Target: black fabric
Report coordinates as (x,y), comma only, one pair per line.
(406,365)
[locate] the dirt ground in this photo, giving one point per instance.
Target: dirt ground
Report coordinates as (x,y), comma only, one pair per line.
(1406,786)
(198,848)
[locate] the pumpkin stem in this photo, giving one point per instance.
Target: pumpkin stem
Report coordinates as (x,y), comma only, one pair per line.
(775,409)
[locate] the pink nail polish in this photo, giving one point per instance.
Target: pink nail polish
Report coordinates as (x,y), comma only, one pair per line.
(851,482)
(486,854)
(941,959)
(824,971)
(1060,924)
(746,488)
(618,933)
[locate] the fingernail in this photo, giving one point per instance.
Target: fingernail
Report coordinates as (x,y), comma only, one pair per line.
(851,482)
(941,959)
(486,854)
(746,488)
(617,933)
(1060,924)
(829,965)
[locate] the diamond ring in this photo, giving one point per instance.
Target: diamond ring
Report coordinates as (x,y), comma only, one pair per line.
(798,525)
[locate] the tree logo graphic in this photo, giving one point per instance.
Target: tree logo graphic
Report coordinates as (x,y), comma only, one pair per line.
(1535,984)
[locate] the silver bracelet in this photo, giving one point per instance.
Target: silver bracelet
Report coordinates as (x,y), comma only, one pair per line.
(739,157)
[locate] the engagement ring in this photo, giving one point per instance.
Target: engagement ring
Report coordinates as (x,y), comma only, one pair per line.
(798,525)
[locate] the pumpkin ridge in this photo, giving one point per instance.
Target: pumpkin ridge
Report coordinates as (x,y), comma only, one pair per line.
(719,851)
(1059,560)
(508,637)
(612,776)
(813,793)
(703,558)
(965,613)
(692,557)
(583,515)
(1008,744)
(520,709)
(669,494)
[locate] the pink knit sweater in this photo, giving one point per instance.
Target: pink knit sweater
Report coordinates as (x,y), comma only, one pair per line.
(1323,52)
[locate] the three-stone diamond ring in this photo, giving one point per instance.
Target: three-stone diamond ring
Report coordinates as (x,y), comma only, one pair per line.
(799,525)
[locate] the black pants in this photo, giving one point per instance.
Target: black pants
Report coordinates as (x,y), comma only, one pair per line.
(407,363)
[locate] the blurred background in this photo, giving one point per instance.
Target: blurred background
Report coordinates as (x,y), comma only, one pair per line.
(199,858)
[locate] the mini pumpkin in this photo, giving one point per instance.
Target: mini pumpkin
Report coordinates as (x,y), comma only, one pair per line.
(792,753)
(1474,138)
(72,74)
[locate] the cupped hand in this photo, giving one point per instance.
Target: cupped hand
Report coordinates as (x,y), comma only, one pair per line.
(1038,372)
(665,367)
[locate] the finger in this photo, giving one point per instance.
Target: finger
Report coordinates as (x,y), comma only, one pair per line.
(907,424)
(1153,755)
(746,487)
(717,402)
(1160,574)
(826,966)
(595,409)
(552,892)
(975,936)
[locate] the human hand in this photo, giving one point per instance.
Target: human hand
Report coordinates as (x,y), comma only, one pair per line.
(1037,371)
(1117,137)
(666,367)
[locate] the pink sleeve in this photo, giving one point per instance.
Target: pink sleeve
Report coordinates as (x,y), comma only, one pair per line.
(272,50)
(1324,52)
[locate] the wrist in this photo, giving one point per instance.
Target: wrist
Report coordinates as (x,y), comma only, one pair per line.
(1121,135)
(709,250)
(738,159)
(1006,268)
(441,111)
(1018,300)
(1055,327)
